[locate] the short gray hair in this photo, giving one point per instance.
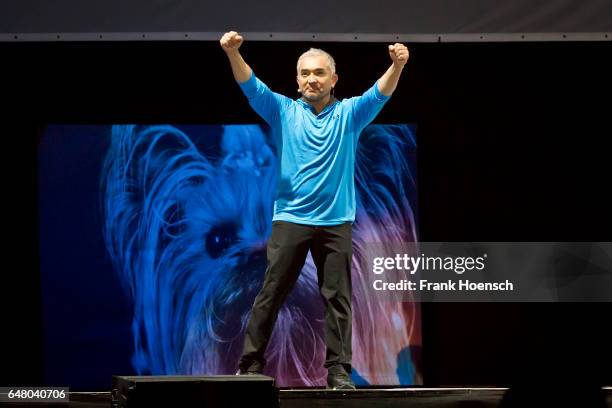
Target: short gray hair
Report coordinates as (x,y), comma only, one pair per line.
(316,52)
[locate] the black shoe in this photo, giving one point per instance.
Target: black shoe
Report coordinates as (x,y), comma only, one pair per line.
(241,372)
(340,381)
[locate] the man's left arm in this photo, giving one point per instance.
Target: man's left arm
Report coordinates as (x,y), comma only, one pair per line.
(368,105)
(388,82)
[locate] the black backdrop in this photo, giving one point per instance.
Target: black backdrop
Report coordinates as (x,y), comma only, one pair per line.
(513,145)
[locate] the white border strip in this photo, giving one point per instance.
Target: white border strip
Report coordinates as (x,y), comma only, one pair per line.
(314,37)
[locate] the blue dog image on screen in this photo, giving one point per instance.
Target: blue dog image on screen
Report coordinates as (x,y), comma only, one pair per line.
(187,233)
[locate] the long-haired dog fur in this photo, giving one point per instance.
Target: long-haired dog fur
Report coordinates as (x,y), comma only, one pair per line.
(187,235)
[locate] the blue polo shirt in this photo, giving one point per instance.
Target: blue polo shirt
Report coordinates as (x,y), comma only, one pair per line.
(316,183)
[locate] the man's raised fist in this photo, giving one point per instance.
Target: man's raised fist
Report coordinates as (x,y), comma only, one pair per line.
(231,41)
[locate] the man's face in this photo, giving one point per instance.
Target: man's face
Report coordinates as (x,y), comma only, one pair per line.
(315,79)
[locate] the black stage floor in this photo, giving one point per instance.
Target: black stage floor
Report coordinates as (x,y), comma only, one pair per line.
(403,397)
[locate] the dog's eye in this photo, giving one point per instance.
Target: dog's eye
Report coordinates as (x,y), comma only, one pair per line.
(220,238)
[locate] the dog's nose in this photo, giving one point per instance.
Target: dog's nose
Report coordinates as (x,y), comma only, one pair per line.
(256,258)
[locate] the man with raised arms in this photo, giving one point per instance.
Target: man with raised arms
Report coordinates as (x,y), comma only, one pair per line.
(316,139)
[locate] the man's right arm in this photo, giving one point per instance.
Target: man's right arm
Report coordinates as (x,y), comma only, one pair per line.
(265,102)
(231,42)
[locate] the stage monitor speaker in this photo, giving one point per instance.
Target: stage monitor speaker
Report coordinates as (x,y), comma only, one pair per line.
(231,391)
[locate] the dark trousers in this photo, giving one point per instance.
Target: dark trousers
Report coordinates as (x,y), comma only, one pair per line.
(331,248)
